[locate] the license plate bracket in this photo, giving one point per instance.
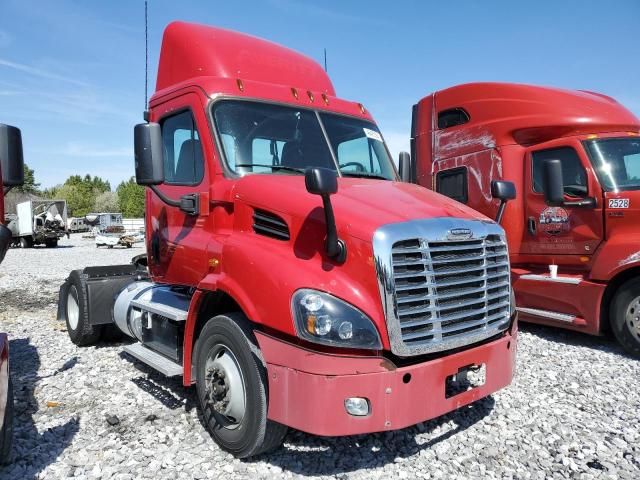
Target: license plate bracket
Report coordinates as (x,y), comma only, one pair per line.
(465,379)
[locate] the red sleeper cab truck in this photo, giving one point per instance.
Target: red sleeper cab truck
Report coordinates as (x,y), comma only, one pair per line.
(574,157)
(11,175)
(289,275)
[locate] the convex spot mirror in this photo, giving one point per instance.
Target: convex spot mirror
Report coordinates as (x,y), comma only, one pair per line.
(147,139)
(11,157)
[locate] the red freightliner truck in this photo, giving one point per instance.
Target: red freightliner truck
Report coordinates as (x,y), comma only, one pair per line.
(574,157)
(11,175)
(289,274)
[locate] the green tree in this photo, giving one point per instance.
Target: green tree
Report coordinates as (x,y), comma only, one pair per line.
(107,202)
(30,185)
(80,193)
(131,199)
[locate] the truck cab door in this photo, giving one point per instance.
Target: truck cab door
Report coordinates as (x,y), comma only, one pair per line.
(176,237)
(561,234)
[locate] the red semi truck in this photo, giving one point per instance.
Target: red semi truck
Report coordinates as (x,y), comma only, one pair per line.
(289,275)
(11,175)
(574,157)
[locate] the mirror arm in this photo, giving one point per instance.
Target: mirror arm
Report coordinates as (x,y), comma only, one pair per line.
(503,204)
(163,197)
(334,247)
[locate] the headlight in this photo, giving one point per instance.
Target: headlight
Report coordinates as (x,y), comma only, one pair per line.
(323,318)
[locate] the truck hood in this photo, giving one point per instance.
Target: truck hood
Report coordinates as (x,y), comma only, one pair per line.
(360,205)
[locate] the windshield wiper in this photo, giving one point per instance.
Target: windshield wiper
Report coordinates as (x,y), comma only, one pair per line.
(362,175)
(272,167)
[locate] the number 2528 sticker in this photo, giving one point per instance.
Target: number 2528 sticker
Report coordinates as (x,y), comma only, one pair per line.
(618,203)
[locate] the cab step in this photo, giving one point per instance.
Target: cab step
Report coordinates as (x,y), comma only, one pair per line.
(164,303)
(159,362)
(561,317)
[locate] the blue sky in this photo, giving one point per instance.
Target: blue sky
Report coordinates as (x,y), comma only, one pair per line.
(72,72)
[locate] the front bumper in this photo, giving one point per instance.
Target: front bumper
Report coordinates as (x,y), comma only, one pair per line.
(307,389)
(5,241)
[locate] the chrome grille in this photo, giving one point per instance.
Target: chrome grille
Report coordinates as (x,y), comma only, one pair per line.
(443,292)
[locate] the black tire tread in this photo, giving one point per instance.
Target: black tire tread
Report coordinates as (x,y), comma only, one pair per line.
(269,434)
(617,310)
(86,334)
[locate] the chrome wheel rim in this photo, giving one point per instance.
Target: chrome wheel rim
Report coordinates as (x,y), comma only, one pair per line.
(632,317)
(73,310)
(225,387)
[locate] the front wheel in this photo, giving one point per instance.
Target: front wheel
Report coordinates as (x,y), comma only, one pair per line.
(231,381)
(624,316)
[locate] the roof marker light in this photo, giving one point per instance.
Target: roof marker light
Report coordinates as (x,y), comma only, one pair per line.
(294,92)
(325,99)
(240,84)
(361,108)
(310,94)
(589,137)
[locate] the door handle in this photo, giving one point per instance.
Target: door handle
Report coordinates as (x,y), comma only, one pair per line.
(531,225)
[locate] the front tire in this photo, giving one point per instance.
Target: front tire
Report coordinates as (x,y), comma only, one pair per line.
(76,309)
(26,242)
(231,381)
(624,316)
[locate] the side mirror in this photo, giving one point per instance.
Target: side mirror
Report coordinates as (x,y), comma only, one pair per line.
(11,158)
(324,182)
(147,140)
(404,167)
(552,183)
(503,191)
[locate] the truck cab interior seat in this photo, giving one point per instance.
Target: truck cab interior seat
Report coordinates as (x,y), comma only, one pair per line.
(190,164)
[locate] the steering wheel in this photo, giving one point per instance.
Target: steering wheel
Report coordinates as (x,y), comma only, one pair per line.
(359,167)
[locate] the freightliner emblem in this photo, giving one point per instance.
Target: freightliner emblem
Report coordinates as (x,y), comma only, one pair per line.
(459,234)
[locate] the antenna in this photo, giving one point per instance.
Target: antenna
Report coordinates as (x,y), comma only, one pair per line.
(325,59)
(146,63)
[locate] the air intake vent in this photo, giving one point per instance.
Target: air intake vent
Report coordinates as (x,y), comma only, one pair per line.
(270,225)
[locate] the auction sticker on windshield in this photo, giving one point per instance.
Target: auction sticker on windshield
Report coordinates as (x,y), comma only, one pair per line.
(618,203)
(372,134)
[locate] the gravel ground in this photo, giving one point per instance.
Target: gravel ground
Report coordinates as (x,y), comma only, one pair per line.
(572,411)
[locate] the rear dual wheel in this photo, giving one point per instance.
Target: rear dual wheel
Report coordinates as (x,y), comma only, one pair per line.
(624,316)
(231,381)
(76,309)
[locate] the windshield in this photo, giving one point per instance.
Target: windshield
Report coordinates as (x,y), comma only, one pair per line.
(616,162)
(275,139)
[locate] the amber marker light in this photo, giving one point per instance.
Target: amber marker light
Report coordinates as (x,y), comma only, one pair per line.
(589,137)
(294,92)
(325,99)
(361,108)
(240,84)
(310,95)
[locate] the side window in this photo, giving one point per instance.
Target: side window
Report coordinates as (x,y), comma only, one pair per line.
(573,173)
(183,161)
(452,117)
(453,184)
